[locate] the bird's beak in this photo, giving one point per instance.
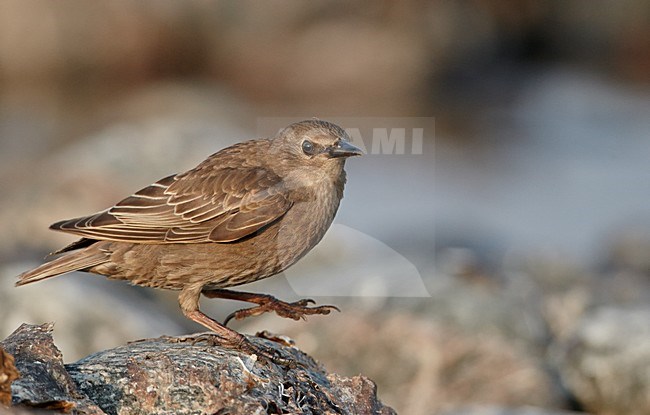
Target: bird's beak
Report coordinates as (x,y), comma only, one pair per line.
(343,149)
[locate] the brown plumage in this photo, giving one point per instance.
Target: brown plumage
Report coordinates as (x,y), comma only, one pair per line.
(245,213)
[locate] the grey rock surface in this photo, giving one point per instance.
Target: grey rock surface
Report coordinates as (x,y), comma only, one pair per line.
(606,362)
(181,375)
(43,382)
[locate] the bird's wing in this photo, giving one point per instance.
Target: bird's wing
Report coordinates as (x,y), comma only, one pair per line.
(202,205)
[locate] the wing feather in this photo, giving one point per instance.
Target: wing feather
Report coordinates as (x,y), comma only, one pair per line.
(206,204)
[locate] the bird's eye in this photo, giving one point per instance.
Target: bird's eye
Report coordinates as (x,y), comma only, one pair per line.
(308,147)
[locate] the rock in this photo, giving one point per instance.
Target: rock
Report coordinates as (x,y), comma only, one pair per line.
(181,375)
(43,382)
(606,361)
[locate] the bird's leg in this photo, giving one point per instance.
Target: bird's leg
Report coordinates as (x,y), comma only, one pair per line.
(189,302)
(267,303)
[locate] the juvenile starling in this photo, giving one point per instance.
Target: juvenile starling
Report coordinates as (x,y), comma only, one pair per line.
(247,212)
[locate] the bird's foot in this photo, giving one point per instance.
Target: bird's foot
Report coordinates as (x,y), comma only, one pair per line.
(266,303)
(240,344)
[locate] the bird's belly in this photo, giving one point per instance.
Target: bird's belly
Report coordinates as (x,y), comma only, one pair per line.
(214,265)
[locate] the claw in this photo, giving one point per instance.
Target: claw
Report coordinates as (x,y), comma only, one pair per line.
(230,317)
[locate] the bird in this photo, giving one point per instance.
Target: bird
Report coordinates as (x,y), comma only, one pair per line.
(245,213)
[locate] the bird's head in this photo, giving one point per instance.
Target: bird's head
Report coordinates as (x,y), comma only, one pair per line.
(315,144)
(310,152)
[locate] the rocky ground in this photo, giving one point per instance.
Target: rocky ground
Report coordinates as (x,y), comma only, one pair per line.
(185,375)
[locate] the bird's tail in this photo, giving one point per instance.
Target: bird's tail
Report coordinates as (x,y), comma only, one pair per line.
(74,261)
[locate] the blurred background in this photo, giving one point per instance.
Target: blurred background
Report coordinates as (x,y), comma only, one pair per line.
(504,270)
